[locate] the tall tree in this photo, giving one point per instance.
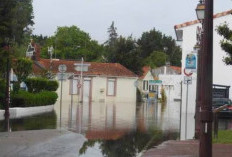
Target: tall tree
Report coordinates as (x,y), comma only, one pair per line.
(72,43)
(16,18)
(155,41)
(127,53)
(113,35)
(226,43)
(156,59)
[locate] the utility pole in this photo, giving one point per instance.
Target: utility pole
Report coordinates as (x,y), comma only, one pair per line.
(206,115)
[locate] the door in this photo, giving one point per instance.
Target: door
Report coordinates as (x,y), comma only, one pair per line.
(86,91)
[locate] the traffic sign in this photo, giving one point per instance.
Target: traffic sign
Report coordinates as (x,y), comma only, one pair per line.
(62,68)
(187,79)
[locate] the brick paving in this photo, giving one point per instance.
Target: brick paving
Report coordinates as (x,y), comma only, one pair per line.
(188,148)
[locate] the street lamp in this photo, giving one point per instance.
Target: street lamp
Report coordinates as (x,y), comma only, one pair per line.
(200,10)
(50,52)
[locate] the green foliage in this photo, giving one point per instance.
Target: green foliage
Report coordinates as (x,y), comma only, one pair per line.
(27,99)
(226,43)
(156,59)
(155,41)
(126,53)
(22,68)
(36,85)
(16,18)
(224,136)
(71,43)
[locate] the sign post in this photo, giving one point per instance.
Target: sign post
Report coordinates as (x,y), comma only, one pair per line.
(62,68)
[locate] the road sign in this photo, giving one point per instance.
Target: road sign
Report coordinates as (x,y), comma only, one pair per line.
(155,82)
(62,68)
(62,76)
(187,79)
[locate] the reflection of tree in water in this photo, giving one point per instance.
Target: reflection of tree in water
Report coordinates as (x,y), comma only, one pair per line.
(42,121)
(129,145)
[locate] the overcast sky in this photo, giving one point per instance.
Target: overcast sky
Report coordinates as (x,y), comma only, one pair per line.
(130,16)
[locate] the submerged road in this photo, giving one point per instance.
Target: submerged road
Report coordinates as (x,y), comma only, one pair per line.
(40,143)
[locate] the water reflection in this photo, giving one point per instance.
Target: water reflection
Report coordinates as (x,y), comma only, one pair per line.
(129,126)
(129,145)
(37,122)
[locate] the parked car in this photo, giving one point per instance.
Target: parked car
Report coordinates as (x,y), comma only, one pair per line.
(218,102)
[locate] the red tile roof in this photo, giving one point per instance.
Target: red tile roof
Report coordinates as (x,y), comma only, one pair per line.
(145,69)
(197,21)
(104,69)
(178,69)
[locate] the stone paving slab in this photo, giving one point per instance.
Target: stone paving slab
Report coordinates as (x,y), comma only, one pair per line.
(186,149)
(40,143)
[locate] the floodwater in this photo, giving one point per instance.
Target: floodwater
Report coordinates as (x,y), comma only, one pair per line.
(111,129)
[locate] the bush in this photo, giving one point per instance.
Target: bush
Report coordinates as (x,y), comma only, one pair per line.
(40,84)
(27,99)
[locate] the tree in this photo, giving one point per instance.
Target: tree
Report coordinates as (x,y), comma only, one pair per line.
(113,35)
(154,41)
(226,43)
(22,68)
(16,18)
(72,43)
(156,59)
(126,53)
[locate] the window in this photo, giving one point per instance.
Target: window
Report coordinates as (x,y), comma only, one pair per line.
(111,87)
(145,85)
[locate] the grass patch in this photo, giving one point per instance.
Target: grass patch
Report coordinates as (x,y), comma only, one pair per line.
(224,137)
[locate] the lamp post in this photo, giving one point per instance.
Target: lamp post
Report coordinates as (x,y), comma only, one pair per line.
(200,12)
(50,52)
(7,90)
(206,72)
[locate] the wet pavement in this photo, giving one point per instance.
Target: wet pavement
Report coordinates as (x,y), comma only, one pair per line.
(189,148)
(96,129)
(40,143)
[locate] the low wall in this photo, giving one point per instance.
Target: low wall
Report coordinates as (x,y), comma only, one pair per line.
(26,111)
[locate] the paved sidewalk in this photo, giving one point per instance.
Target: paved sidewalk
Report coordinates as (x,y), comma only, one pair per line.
(186,149)
(40,143)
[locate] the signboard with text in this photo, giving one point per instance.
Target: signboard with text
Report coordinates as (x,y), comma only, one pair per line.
(191,61)
(155,82)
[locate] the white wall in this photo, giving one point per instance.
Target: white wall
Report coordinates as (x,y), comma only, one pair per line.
(222,74)
(125,90)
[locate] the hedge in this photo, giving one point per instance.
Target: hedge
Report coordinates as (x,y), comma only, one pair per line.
(40,84)
(27,99)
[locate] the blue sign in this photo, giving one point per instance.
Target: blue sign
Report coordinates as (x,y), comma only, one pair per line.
(191,61)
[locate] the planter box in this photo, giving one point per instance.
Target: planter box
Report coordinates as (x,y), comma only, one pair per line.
(26,111)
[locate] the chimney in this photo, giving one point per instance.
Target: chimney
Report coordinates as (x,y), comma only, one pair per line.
(36,55)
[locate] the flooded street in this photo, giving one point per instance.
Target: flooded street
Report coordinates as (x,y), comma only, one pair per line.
(113,129)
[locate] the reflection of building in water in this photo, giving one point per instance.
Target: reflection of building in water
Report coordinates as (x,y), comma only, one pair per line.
(105,121)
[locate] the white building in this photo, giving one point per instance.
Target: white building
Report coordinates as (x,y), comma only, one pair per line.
(222,74)
(102,82)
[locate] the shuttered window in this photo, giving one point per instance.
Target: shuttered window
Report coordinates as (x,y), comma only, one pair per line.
(145,85)
(111,87)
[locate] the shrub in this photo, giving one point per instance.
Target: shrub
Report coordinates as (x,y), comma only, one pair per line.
(40,84)
(27,99)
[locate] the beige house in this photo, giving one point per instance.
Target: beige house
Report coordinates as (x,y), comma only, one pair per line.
(100,82)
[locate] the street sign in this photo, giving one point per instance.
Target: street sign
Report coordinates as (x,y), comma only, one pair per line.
(62,76)
(187,80)
(62,68)
(155,82)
